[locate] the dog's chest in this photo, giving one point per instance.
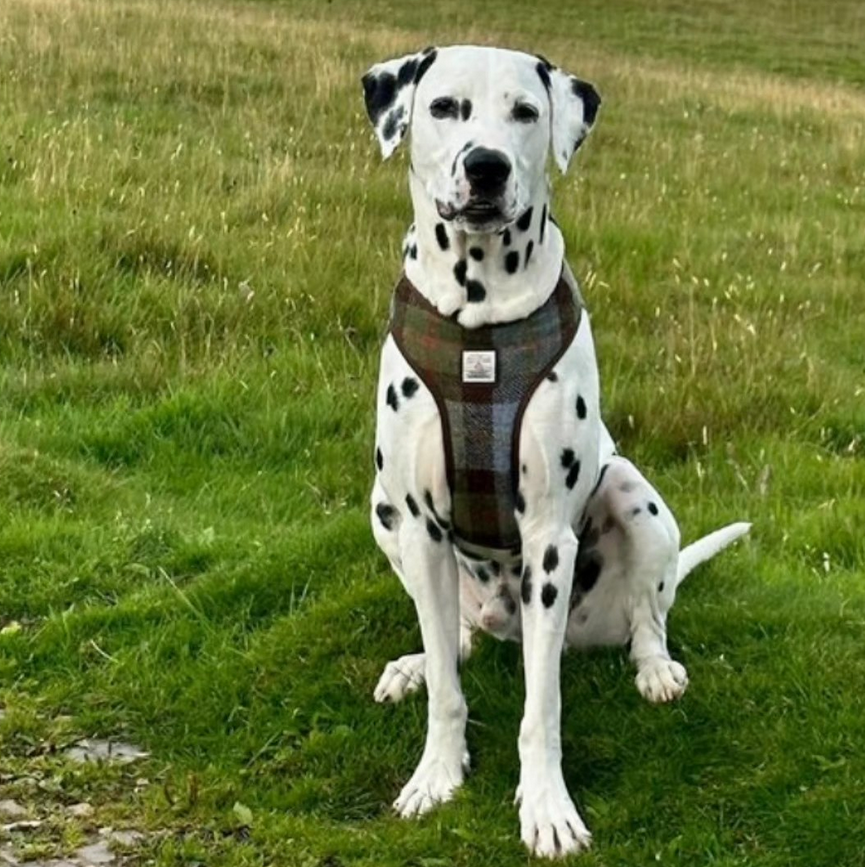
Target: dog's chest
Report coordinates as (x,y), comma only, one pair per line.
(482,381)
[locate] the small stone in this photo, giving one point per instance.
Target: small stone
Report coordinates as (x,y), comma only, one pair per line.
(125,838)
(80,811)
(25,825)
(10,809)
(95,854)
(54,862)
(94,750)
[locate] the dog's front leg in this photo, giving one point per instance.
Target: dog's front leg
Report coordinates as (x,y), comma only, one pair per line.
(549,823)
(430,570)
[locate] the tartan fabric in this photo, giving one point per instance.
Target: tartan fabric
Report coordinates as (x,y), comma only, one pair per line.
(481,421)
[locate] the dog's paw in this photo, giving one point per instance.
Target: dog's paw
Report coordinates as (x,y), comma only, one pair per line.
(399,678)
(660,679)
(471,316)
(550,825)
(434,781)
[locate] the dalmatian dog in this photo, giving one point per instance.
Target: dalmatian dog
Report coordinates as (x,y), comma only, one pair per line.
(598,559)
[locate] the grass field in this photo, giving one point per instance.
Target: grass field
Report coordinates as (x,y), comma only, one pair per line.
(197,244)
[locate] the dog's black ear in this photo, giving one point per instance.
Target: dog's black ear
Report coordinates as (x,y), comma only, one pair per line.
(575,105)
(388,90)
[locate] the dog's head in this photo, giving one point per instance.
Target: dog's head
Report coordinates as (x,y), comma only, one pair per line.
(482,122)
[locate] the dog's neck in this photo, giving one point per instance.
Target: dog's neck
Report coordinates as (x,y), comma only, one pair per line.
(484,279)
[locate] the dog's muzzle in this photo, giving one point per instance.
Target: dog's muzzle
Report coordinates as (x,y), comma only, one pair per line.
(487,172)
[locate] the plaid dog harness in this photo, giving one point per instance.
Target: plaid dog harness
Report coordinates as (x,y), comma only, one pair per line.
(482,380)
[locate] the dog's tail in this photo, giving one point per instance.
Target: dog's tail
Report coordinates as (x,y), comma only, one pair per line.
(703,549)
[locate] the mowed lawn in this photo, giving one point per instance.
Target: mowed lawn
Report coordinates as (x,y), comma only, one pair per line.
(197,246)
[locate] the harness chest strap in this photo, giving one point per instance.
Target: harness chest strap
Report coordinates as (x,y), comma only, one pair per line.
(482,380)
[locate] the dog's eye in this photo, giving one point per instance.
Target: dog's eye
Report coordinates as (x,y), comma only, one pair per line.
(524,113)
(444,106)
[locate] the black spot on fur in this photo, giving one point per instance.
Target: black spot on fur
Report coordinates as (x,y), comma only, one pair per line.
(433,529)
(409,386)
(525,221)
(608,525)
(412,251)
(573,475)
(543,225)
(589,96)
(407,72)
(544,75)
(466,109)
(587,570)
(508,600)
(412,505)
(483,575)
(520,502)
(524,469)
(506,238)
(460,152)
(552,376)
(661,587)
(390,125)
(512,262)
(653,509)
(517,570)
(392,399)
(427,498)
(379,459)
(567,457)
(475,291)
(460,272)
(581,407)
(476,253)
(526,585)
(386,514)
(589,536)
(425,64)
(529,247)
(551,559)
(379,92)
(442,236)
(548,595)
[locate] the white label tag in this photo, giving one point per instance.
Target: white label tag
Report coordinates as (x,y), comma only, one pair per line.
(479,365)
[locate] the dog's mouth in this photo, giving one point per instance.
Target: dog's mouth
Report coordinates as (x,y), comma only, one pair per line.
(478,213)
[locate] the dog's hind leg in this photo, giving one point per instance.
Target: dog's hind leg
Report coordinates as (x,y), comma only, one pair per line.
(406,675)
(638,530)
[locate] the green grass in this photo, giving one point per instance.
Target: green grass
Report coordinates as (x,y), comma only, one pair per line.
(197,244)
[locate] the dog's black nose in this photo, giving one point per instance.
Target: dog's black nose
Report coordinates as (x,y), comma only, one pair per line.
(487,170)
